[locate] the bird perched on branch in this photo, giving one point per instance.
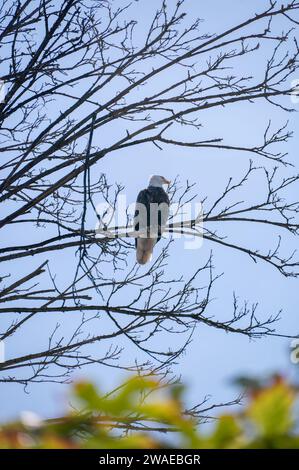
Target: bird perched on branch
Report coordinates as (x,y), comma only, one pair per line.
(151,215)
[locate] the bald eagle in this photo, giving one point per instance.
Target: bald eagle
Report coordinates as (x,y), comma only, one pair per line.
(151,215)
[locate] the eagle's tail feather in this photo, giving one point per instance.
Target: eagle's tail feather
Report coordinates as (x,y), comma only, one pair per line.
(144,249)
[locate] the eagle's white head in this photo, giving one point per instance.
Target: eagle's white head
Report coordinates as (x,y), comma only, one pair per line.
(158,181)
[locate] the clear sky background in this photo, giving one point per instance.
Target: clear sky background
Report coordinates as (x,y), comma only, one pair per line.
(214,357)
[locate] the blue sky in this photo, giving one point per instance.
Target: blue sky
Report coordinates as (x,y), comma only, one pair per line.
(214,357)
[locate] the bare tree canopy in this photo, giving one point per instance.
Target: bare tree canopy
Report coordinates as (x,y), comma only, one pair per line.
(74,69)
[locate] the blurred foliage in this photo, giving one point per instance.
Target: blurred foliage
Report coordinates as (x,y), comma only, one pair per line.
(140,412)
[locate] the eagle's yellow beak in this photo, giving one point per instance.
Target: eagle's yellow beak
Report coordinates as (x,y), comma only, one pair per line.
(165,181)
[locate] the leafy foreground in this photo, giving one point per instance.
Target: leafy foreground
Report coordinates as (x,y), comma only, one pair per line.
(140,412)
